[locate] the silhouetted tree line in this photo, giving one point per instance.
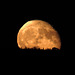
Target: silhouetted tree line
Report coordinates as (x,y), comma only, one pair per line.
(34,48)
(41,52)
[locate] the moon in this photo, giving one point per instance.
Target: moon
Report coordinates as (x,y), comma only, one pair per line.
(38,34)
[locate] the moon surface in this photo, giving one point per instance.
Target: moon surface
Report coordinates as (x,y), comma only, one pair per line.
(38,34)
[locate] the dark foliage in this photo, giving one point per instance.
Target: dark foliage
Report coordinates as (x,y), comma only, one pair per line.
(40,52)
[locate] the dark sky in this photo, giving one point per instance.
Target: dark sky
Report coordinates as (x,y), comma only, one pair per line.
(16,17)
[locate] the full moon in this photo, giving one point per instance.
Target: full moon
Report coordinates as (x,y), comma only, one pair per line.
(38,34)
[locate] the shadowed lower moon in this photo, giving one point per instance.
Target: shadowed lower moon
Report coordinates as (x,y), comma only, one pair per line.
(38,34)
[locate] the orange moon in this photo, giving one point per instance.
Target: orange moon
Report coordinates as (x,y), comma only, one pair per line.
(38,34)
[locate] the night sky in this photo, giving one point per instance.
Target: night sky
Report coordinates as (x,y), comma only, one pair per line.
(15,18)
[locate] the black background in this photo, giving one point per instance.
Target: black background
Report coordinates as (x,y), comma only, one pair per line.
(17,15)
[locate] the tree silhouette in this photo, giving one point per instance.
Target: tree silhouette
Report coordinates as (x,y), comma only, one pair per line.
(55,49)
